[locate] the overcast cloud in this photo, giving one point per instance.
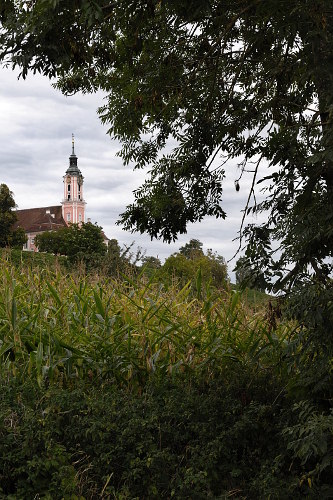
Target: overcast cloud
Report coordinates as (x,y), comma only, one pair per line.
(36,123)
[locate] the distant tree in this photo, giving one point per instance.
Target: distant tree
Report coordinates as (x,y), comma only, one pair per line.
(219,268)
(8,217)
(150,264)
(241,271)
(149,260)
(121,259)
(180,268)
(87,239)
(132,255)
(113,258)
(115,261)
(83,242)
(185,265)
(192,249)
(51,242)
(18,238)
(249,276)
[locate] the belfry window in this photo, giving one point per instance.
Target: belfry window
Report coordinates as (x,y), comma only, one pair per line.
(69,188)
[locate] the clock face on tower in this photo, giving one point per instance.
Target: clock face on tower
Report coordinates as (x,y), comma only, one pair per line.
(68,179)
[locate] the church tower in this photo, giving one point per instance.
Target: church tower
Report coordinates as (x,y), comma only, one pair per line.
(73,204)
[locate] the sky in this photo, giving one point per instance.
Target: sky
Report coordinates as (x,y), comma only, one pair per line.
(36,126)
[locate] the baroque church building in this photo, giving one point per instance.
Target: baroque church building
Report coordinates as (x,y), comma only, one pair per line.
(71,211)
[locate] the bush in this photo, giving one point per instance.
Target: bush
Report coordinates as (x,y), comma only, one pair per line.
(173,440)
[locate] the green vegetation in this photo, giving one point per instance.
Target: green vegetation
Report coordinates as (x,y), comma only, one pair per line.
(253,297)
(189,263)
(246,397)
(51,312)
(19,258)
(130,389)
(248,276)
(233,81)
(8,235)
(82,242)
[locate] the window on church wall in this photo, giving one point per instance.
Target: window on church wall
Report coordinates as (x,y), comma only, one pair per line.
(69,188)
(68,217)
(80,217)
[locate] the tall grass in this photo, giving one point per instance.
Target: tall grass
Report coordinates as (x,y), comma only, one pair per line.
(57,327)
(129,388)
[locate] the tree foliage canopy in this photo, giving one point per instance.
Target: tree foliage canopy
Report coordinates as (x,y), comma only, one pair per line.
(76,242)
(7,215)
(248,276)
(192,249)
(243,80)
(191,260)
(8,235)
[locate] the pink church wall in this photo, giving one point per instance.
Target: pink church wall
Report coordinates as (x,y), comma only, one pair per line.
(73,204)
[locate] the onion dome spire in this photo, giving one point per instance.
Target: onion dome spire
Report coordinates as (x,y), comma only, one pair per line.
(73,168)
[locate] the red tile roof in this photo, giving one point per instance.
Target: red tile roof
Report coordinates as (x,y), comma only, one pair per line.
(40,219)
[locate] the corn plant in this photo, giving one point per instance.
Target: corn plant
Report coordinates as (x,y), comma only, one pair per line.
(58,327)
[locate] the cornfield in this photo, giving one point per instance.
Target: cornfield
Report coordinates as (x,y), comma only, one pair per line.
(57,327)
